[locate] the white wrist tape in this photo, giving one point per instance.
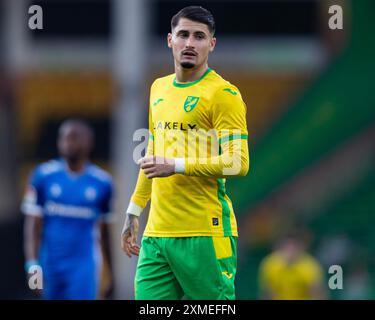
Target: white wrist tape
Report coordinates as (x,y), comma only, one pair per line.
(179,165)
(134,209)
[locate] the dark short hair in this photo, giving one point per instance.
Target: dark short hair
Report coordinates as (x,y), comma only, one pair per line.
(197,14)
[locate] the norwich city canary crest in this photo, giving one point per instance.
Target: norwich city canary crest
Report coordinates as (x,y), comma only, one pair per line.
(190,103)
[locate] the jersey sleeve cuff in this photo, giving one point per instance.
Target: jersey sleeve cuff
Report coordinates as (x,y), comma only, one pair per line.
(179,165)
(134,209)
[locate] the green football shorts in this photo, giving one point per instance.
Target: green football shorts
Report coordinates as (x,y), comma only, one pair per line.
(186,267)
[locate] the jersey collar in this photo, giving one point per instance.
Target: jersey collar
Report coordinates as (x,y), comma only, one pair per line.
(188,84)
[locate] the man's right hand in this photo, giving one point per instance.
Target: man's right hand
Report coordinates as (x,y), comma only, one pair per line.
(129,235)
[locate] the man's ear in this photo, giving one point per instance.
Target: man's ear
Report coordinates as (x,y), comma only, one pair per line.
(212,44)
(169,40)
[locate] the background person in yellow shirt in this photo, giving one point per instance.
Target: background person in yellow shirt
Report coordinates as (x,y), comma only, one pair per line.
(290,273)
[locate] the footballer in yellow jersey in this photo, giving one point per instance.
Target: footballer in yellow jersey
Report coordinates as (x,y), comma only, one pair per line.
(198,138)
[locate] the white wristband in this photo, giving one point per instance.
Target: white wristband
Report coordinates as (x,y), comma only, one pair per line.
(134,209)
(179,165)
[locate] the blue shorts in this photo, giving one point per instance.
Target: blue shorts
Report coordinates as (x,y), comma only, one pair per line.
(76,281)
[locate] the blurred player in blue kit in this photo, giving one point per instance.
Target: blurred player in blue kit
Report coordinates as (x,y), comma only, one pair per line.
(67,209)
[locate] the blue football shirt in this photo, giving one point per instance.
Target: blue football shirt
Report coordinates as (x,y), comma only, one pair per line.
(71,205)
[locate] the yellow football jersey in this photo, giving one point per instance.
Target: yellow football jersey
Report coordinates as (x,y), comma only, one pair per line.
(295,281)
(195,203)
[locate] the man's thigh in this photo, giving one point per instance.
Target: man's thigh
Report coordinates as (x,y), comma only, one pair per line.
(154,279)
(205,267)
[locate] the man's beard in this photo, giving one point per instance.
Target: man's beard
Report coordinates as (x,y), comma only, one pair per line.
(187,65)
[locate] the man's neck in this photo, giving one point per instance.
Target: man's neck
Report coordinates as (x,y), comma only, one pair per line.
(76,166)
(184,75)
